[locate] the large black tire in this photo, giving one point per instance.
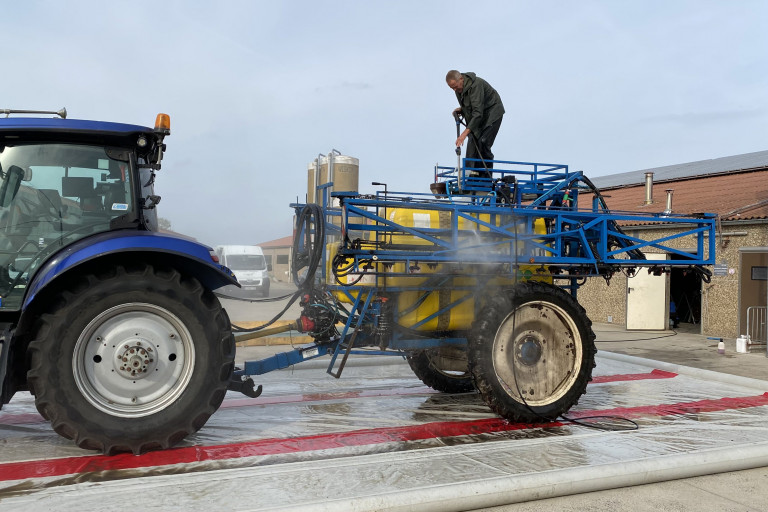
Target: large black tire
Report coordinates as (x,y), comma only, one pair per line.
(131,359)
(430,367)
(532,352)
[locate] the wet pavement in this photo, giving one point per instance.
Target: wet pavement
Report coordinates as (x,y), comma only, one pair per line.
(379,439)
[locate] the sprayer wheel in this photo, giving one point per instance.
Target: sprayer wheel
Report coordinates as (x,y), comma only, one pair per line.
(531,352)
(444,369)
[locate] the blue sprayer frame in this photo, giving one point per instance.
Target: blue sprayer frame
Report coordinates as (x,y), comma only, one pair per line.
(578,243)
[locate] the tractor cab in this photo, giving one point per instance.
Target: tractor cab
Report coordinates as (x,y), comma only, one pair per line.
(112,325)
(62,180)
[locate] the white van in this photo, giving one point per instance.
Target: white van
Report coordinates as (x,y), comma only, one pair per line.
(248,264)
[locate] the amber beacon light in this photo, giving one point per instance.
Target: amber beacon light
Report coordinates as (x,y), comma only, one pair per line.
(163,123)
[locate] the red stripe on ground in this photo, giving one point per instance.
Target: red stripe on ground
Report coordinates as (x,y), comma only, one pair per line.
(701,406)
(320,397)
(71,465)
(20,419)
(655,374)
(28,418)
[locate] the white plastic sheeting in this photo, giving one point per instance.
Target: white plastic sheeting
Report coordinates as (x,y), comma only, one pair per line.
(378,439)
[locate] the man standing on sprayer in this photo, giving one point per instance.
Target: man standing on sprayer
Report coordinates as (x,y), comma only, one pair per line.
(481,107)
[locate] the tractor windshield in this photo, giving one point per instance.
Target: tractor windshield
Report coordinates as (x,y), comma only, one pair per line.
(50,196)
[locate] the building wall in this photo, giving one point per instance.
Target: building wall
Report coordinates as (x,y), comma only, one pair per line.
(720,297)
(605,302)
(279,259)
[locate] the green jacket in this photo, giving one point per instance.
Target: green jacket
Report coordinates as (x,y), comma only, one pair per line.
(480,103)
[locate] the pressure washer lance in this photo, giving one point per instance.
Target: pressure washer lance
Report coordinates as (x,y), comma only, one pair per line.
(457,117)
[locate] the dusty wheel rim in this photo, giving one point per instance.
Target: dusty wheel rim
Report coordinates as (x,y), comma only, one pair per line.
(537,353)
(133,360)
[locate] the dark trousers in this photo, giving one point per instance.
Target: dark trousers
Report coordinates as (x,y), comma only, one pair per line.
(480,147)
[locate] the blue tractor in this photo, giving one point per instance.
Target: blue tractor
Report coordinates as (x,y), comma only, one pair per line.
(110,324)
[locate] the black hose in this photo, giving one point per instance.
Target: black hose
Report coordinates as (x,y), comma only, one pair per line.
(311,215)
(237,328)
(244,299)
(704,273)
(634,253)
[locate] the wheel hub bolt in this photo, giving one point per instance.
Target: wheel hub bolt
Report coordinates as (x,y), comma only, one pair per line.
(135,360)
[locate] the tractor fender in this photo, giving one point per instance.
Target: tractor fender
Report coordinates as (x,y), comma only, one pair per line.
(187,255)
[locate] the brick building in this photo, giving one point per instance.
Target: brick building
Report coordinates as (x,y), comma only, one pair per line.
(735,188)
(278,256)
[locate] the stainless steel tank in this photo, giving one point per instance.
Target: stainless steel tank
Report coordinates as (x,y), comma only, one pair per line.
(344,173)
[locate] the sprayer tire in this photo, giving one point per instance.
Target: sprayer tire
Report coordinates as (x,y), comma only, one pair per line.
(130,358)
(531,352)
(425,365)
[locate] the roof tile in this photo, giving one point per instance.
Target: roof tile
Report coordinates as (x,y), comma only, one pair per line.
(733,196)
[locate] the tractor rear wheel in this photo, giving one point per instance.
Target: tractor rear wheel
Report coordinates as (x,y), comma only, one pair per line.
(443,369)
(131,359)
(532,352)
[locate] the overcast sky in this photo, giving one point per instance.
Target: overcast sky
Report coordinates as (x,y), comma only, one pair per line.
(256,90)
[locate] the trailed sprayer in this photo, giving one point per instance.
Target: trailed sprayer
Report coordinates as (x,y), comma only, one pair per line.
(474,282)
(115,328)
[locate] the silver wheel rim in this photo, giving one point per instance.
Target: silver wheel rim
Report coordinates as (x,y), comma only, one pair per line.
(537,353)
(133,360)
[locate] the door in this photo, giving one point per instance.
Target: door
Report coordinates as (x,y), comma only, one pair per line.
(753,288)
(647,299)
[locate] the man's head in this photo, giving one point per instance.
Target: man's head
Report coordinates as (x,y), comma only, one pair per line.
(455,80)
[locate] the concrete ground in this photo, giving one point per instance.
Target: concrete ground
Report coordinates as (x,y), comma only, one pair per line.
(743,491)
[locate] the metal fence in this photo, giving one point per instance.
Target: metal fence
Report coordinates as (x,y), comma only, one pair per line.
(756,326)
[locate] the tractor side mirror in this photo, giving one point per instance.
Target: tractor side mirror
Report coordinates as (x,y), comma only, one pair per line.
(11,184)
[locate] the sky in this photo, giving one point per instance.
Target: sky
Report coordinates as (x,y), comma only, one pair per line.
(256,90)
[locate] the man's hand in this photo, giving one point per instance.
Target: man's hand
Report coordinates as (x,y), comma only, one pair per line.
(462,137)
(456,113)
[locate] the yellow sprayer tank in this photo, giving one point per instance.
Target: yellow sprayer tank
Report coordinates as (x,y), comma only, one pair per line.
(413,306)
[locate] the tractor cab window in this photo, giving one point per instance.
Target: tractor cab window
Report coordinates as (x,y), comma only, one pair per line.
(50,196)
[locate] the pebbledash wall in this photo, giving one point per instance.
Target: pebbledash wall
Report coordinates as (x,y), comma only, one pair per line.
(607,302)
